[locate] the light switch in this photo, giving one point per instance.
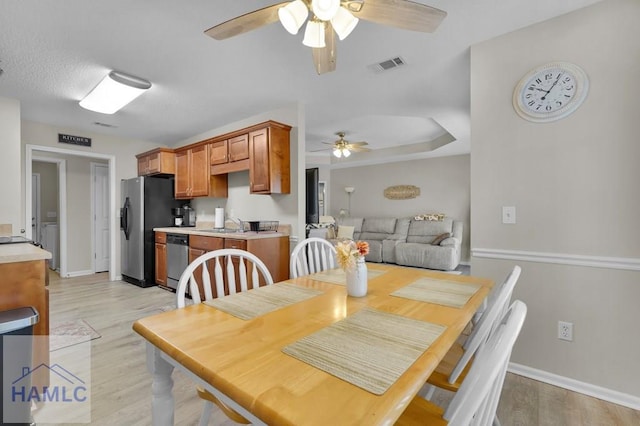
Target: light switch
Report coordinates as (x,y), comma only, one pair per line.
(508,214)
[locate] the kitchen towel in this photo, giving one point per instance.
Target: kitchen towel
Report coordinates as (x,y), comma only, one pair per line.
(218,221)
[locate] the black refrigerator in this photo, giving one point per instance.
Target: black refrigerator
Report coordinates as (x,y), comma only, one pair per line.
(146,203)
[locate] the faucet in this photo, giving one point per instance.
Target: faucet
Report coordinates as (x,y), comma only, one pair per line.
(238,222)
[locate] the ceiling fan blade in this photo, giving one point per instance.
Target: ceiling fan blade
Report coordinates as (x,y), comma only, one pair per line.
(358,143)
(403,14)
(245,23)
(324,58)
(359,149)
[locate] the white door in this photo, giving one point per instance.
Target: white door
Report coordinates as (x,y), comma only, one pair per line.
(101,216)
(35,207)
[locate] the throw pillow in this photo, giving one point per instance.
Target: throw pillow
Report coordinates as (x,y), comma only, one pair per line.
(434,217)
(440,238)
(345,232)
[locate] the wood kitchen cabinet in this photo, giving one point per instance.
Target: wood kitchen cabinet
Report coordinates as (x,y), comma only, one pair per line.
(161,258)
(199,245)
(230,154)
(230,150)
(269,159)
(25,279)
(193,178)
(157,161)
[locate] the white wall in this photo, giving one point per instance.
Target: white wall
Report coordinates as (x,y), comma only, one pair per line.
(574,183)
(443,182)
(10,205)
(281,207)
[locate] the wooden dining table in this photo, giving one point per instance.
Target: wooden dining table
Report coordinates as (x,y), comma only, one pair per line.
(241,361)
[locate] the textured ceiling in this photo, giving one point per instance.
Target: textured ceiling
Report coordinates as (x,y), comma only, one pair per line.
(54,52)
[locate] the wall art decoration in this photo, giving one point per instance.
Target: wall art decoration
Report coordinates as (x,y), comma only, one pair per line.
(401,192)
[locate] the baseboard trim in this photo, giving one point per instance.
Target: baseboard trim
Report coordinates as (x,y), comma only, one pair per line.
(599,392)
(79,273)
(626,263)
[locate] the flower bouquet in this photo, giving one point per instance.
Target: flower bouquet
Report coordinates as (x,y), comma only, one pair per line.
(349,252)
(350,256)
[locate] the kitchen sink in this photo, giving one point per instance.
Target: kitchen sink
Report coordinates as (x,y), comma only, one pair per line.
(221,231)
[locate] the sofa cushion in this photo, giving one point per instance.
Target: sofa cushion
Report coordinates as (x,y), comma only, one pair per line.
(424,231)
(375,251)
(379,225)
(426,256)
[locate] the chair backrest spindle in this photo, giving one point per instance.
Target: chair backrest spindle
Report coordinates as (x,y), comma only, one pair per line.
(223,271)
(312,255)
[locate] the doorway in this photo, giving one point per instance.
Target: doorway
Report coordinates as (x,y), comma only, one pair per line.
(30,151)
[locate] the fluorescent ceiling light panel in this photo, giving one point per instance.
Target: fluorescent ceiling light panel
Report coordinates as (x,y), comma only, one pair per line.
(114,92)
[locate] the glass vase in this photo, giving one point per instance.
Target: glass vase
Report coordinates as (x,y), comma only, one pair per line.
(357,279)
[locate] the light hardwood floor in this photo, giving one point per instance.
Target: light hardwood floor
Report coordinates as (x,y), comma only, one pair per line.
(121,385)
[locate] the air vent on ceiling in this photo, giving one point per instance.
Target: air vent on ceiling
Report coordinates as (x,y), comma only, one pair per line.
(387,65)
(97,123)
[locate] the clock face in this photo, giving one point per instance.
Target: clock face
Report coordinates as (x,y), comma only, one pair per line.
(550,92)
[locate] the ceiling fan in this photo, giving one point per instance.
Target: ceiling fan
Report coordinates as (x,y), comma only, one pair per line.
(343,148)
(330,18)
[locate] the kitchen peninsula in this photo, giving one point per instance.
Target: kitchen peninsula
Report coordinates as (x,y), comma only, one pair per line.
(271,247)
(25,275)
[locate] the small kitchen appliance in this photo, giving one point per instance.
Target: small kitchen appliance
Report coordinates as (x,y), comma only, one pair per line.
(188,216)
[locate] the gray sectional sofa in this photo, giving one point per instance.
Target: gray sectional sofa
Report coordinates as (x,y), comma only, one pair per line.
(408,242)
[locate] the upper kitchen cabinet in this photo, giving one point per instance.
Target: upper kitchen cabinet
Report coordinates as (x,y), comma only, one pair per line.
(229,153)
(192,174)
(157,161)
(269,159)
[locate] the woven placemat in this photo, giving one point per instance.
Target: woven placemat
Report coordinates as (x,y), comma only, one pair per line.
(260,301)
(370,349)
(339,276)
(440,292)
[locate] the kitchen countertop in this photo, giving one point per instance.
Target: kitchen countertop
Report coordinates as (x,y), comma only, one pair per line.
(21,252)
(247,235)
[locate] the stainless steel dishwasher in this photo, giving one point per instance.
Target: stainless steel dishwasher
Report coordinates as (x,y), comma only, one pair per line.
(177,258)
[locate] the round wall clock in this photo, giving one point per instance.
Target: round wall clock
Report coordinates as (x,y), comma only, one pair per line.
(550,92)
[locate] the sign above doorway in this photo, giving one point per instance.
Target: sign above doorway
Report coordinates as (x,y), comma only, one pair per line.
(74,140)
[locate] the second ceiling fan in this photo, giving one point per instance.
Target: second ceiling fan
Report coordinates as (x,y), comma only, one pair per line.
(343,148)
(329,18)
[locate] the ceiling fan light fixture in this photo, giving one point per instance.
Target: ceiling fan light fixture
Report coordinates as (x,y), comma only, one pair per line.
(293,15)
(314,34)
(337,153)
(346,152)
(325,10)
(344,22)
(114,92)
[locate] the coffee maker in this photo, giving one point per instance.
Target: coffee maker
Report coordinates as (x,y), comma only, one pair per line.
(177,214)
(188,216)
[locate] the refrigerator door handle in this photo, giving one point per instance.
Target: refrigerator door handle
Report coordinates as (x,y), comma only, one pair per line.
(124,218)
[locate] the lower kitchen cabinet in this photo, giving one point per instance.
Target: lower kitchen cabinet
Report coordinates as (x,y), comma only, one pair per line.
(273,251)
(161,258)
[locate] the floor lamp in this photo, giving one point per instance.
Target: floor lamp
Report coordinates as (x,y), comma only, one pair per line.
(349,190)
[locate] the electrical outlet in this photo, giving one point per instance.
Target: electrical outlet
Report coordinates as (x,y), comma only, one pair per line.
(565,331)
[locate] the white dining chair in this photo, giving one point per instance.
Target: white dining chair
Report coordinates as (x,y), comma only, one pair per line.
(312,255)
(451,371)
(217,273)
(476,401)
